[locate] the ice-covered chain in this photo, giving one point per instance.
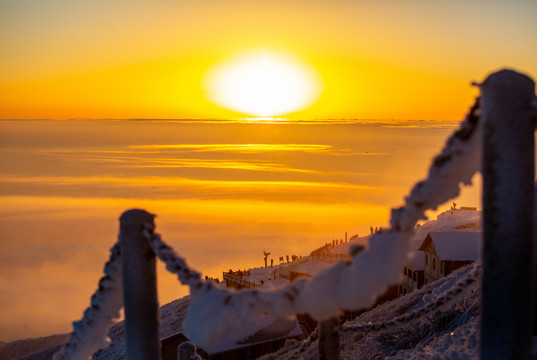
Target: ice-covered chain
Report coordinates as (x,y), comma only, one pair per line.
(447,298)
(174,263)
(90,334)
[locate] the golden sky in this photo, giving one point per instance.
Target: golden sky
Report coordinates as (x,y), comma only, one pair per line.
(140,59)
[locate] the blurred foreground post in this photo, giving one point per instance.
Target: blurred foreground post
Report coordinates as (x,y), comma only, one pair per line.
(139,287)
(329,339)
(508,190)
(535,257)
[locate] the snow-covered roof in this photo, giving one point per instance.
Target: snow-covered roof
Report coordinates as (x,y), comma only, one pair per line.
(456,246)
(456,221)
(310,267)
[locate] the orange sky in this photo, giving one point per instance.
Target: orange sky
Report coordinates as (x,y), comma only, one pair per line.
(135,59)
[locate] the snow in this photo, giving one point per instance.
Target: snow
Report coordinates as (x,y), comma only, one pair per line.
(345,248)
(171,318)
(311,267)
(271,276)
(464,246)
(447,331)
(26,347)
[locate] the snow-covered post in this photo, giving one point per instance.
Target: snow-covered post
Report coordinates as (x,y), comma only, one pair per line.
(139,287)
(508,180)
(329,339)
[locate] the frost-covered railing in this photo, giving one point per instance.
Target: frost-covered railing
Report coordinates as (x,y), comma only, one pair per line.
(331,256)
(240,281)
(503,119)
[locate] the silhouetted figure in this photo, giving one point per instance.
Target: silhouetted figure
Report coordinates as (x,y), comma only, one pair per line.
(371,229)
(271,262)
(266,256)
(287,258)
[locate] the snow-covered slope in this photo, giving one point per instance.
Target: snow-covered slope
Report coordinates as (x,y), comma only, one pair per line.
(30,348)
(449,332)
(171,316)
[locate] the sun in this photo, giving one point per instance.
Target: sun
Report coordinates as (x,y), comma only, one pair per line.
(263,84)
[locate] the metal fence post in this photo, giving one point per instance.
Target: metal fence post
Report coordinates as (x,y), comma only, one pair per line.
(329,339)
(508,178)
(139,287)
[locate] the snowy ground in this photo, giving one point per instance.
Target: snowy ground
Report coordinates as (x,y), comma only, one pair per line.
(450,333)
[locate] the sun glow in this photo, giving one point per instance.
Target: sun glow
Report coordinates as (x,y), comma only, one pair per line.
(263,84)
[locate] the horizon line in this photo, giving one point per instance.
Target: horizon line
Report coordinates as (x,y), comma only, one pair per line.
(264,120)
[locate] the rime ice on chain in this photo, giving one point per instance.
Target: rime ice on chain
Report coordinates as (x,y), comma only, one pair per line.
(90,334)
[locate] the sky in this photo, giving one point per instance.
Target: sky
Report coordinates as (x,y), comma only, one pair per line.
(391,79)
(139,59)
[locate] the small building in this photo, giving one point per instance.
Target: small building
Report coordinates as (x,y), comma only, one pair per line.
(413,278)
(445,252)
